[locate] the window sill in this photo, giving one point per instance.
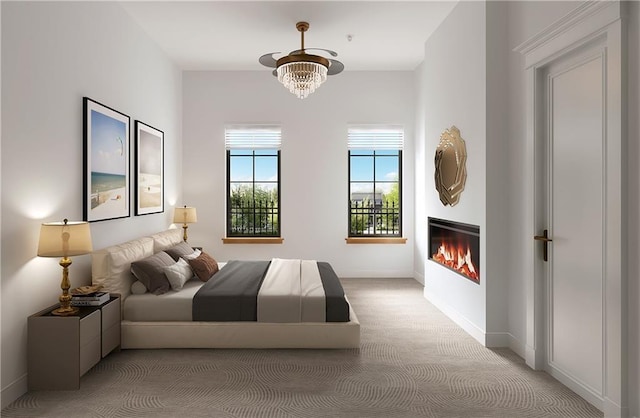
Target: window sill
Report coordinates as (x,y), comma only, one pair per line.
(253,240)
(375,240)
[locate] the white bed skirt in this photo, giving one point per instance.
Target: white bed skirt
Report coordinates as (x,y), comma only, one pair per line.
(198,334)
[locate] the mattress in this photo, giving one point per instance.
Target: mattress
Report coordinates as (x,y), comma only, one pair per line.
(171,306)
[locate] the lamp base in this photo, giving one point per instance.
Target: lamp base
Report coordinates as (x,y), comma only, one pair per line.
(65,308)
(68,311)
(184,236)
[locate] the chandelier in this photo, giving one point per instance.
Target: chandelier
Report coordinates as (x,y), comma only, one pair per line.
(302,73)
(302,78)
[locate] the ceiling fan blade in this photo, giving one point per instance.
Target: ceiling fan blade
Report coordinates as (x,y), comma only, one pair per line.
(335,67)
(301,51)
(268,60)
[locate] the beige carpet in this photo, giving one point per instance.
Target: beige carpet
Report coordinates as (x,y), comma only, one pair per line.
(413,362)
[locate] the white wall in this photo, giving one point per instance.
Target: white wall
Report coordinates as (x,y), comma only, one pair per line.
(497,176)
(313,162)
(424,184)
(1,404)
(53,54)
(525,19)
(462,82)
(633,210)
(453,80)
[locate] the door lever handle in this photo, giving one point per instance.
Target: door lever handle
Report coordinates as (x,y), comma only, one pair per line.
(545,242)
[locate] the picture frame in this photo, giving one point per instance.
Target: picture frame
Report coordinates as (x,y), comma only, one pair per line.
(106,162)
(149,189)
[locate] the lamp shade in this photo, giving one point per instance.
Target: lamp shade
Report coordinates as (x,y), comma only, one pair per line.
(185,215)
(64,239)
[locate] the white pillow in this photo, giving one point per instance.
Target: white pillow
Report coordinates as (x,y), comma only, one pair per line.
(195,254)
(137,288)
(178,274)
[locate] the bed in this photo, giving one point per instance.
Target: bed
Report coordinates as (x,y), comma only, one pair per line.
(166,320)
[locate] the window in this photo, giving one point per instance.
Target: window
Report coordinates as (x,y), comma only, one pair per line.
(253,181)
(375,181)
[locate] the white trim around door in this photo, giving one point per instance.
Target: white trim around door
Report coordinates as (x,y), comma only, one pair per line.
(602,22)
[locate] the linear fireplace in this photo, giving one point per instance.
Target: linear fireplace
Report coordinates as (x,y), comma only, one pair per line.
(456,246)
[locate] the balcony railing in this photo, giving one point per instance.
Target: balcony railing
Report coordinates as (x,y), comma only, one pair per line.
(371,219)
(253,219)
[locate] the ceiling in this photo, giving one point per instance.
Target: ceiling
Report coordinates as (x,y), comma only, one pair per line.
(232,35)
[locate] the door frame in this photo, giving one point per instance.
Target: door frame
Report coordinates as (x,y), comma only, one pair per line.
(590,21)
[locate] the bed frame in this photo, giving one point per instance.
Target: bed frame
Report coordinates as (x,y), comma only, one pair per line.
(111,268)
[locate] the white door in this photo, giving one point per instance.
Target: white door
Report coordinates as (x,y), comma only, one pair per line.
(573,176)
(575,311)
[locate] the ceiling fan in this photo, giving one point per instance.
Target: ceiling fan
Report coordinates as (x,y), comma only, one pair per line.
(300,71)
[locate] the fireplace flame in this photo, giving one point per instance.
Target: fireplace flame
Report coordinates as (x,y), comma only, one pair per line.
(457,258)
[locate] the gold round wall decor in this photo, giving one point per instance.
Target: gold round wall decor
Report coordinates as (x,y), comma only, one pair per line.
(451,166)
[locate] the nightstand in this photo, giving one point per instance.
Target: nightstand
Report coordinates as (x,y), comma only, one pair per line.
(63,348)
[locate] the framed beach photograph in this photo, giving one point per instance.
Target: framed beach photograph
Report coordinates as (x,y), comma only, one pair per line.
(149,192)
(106,162)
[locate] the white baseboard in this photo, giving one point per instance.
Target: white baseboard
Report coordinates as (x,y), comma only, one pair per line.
(469,327)
(13,391)
(497,339)
(531,358)
(487,339)
(587,393)
(612,409)
(506,339)
(517,346)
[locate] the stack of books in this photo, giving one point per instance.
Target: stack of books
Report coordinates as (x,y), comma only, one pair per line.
(90,299)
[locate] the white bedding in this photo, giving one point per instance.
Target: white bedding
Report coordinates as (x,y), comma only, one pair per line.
(171,306)
(300,299)
(281,298)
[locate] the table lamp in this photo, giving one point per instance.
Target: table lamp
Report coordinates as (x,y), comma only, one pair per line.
(185,215)
(64,239)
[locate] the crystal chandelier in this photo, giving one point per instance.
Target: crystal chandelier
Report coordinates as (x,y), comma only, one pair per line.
(302,73)
(303,77)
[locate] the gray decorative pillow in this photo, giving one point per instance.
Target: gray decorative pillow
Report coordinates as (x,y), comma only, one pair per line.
(179,250)
(151,274)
